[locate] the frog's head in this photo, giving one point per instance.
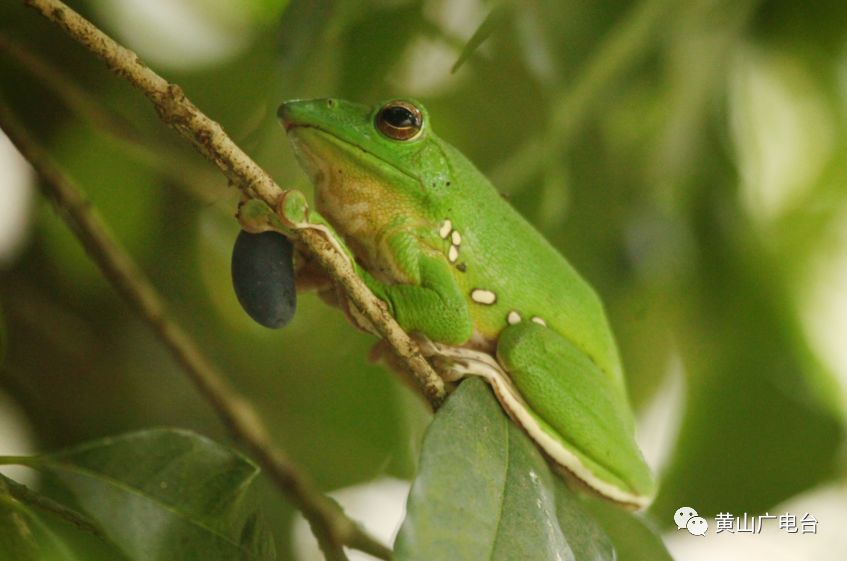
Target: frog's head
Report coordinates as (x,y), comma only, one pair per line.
(369,165)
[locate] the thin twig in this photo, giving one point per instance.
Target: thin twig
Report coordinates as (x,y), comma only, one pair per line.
(83,105)
(332,528)
(210,139)
(628,40)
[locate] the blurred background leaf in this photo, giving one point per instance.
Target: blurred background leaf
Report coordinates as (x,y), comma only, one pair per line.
(163,494)
(16,538)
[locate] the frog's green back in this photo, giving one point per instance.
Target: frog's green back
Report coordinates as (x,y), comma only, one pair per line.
(520,267)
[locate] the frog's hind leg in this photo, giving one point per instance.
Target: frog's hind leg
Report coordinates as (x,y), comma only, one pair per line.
(578,416)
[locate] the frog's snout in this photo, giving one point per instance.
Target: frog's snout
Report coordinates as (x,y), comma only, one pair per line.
(304,112)
(285,114)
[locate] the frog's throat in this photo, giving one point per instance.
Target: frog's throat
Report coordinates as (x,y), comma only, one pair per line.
(352,206)
(463,362)
(333,138)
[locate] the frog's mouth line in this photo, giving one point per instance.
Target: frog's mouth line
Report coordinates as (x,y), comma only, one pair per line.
(335,139)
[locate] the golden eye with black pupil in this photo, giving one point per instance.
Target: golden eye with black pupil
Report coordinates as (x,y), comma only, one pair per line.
(399,120)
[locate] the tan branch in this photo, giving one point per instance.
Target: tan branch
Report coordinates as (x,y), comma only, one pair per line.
(332,528)
(210,139)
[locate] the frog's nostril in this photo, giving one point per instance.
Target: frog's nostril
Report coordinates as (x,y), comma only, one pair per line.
(330,103)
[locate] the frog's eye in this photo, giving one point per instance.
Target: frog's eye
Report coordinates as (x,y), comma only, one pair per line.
(399,120)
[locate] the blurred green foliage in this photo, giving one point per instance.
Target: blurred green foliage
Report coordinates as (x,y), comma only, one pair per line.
(627,131)
(16,540)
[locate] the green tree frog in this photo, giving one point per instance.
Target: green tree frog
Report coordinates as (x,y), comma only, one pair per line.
(482,289)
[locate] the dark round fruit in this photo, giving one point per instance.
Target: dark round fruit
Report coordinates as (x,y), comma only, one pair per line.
(263,277)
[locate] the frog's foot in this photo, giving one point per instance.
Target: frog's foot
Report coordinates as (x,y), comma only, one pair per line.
(454,363)
(255,217)
(354,315)
(293,211)
(292,208)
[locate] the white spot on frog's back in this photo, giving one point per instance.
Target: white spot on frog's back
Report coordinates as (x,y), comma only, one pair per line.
(513,318)
(482,296)
(446,232)
(446,228)
(539,321)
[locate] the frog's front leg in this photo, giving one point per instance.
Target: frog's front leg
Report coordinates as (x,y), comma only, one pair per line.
(292,213)
(427,300)
(431,304)
(575,412)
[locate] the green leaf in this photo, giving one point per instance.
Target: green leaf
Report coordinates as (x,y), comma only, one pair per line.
(24,536)
(16,537)
(484,492)
(166,495)
(489,25)
(632,535)
(33,500)
(586,537)
(53,547)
